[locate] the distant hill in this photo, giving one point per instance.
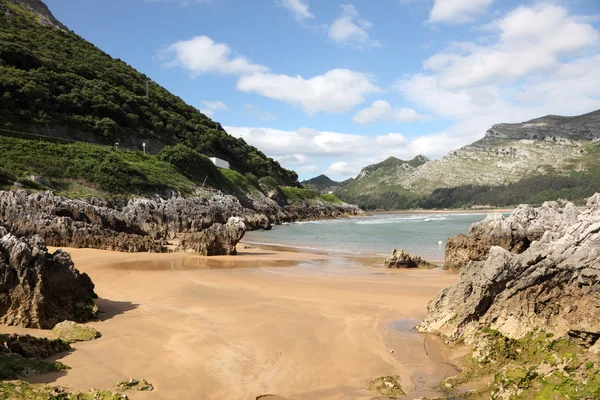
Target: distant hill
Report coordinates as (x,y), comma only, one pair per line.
(536,160)
(323,184)
(385,176)
(56,84)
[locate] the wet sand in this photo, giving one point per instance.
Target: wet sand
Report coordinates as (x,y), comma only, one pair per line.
(299,325)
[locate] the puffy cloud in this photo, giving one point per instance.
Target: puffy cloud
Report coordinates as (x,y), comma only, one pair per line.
(337,91)
(298,8)
(350,28)
(528,40)
(381,110)
(347,153)
(201,55)
(457,11)
(210,107)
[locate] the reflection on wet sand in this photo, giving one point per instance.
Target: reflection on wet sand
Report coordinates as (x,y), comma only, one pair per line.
(198,262)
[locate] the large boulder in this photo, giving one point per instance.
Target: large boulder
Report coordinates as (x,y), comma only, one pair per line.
(39,289)
(514,233)
(401,259)
(216,240)
(554,284)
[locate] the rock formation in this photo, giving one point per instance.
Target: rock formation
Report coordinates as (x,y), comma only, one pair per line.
(401,259)
(142,225)
(554,284)
(31,347)
(39,289)
(217,240)
(70,332)
(515,233)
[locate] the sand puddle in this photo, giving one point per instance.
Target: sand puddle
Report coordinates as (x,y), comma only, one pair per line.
(424,357)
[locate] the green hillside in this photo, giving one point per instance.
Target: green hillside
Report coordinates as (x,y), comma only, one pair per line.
(54,83)
(383,177)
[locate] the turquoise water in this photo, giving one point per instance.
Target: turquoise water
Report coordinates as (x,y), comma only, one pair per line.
(378,234)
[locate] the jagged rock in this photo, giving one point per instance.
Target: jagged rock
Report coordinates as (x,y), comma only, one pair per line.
(31,347)
(143,225)
(133,384)
(514,233)
(554,284)
(39,289)
(401,259)
(70,332)
(219,239)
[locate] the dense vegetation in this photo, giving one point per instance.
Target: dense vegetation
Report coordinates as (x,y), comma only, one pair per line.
(534,190)
(54,82)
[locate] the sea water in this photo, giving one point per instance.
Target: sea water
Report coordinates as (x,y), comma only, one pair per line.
(376,234)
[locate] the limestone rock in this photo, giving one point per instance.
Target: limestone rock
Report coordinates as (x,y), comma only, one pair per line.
(134,384)
(31,347)
(401,259)
(39,289)
(554,284)
(144,224)
(515,233)
(69,332)
(219,239)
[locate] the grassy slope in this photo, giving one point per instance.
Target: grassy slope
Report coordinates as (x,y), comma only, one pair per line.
(54,82)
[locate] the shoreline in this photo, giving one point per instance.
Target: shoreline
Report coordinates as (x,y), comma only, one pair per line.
(449,211)
(212,330)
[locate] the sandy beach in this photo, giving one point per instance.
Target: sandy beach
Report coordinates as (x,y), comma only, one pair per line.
(298,325)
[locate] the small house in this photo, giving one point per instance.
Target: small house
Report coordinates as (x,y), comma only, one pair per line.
(219,163)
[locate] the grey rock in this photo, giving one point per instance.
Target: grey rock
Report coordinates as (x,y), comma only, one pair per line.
(39,289)
(401,259)
(554,284)
(218,239)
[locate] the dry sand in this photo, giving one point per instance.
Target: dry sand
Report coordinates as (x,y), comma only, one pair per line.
(201,328)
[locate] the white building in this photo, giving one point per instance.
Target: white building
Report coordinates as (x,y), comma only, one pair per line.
(219,163)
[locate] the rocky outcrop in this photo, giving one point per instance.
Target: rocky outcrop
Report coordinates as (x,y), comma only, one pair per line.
(218,240)
(553,285)
(401,259)
(39,289)
(71,332)
(142,224)
(31,347)
(514,233)
(41,10)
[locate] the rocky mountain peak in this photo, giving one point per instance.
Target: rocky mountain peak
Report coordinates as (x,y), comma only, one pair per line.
(550,127)
(40,9)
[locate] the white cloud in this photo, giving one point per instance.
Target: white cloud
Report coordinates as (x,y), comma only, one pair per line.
(201,55)
(337,91)
(381,110)
(350,29)
(298,8)
(208,112)
(516,76)
(210,107)
(215,105)
(457,11)
(351,152)
(529,40)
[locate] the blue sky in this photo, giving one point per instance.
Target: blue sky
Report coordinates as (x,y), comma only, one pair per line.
(328,86)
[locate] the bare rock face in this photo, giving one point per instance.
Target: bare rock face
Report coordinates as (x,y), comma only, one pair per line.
(39,289)
(515,233)
(217,240)
(553,285)
(31,347)
(401,259)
